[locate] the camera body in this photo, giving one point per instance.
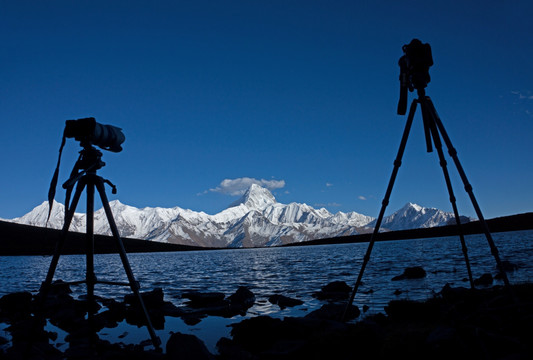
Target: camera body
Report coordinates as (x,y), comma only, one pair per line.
(414,70)
(88,132)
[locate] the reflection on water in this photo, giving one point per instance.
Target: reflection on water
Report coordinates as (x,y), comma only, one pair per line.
(294,271)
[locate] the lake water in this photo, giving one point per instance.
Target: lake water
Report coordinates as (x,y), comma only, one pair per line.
(296,272)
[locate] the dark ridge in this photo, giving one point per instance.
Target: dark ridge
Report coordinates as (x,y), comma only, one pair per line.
(18,239)
(499,224)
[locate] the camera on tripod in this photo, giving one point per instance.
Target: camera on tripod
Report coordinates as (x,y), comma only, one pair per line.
(414,70)
(88,132)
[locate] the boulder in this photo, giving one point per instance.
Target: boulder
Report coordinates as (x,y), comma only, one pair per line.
(334,312)
(16,305)
(336,290)
(151,299)
(243,298)
(284,301)
(415,272)
(202,299)
(187,347)
(484,280)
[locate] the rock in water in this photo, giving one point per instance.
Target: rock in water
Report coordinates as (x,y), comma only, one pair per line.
(415,272)
(187,347)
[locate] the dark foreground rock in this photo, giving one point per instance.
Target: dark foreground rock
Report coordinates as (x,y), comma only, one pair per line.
(284,301)
(457,323)
(336,290)
(414,272)
(486,323)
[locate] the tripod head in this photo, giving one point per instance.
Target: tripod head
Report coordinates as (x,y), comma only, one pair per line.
(414,70)
(89,133)
(90,158)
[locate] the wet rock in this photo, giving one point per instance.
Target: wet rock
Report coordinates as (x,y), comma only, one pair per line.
(214,304)
(258,333)
(202,299)
(170,309)
(415,272)
(228,349)
(336,290)
(335,312)
(16,305)
(243,298)
(151,299)
(264,337)
(441,337)
(33,350)
(508,266)
(187,347)
(407,310)
(29,330)
(284,301)
(484,280)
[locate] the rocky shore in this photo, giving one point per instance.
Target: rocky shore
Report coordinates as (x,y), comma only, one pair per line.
(490,323)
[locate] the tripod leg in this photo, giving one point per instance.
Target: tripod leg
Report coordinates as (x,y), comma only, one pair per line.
(90,277)
(134,285)
(64,232)
(453,153)
(443,164)
(385,202)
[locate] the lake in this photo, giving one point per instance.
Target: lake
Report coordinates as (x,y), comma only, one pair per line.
(296,272)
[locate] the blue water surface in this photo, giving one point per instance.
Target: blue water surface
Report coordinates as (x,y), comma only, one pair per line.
(296,272)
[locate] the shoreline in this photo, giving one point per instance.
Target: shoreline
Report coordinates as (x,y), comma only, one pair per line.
(477,323)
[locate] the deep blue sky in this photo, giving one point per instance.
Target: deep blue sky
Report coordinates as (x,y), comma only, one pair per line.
(299,95)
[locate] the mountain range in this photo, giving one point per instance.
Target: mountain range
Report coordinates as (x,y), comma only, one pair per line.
(255,220)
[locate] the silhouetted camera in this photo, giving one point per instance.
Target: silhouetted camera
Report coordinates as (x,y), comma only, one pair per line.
(88,132)
(414,70)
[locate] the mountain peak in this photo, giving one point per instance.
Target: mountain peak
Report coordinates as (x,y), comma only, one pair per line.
(256,197)
(411,205)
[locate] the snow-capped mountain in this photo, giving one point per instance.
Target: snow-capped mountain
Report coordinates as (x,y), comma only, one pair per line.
(413,216)
(256,219)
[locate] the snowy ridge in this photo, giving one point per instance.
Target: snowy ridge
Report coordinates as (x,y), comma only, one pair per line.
(256,219)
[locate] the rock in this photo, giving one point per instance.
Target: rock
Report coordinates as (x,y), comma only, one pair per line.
(151,299)
(187,347)
(441,336)
(29,330)
(202,299)
(407,310)
(334,312)
(215,304)
(484,280)
(230,350)
(258,333)
(507,266)
(336,290)
(16,305)
(284,301)
(415,272)
(242,298)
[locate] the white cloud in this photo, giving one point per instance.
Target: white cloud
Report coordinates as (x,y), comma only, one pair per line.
(361,197)
(329,184)
(521,95)
(240,185)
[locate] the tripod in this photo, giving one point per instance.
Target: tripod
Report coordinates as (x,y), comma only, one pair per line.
(89,162)
(433,129)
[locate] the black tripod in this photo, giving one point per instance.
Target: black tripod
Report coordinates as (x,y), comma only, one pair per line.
(434,129)
(89,162)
